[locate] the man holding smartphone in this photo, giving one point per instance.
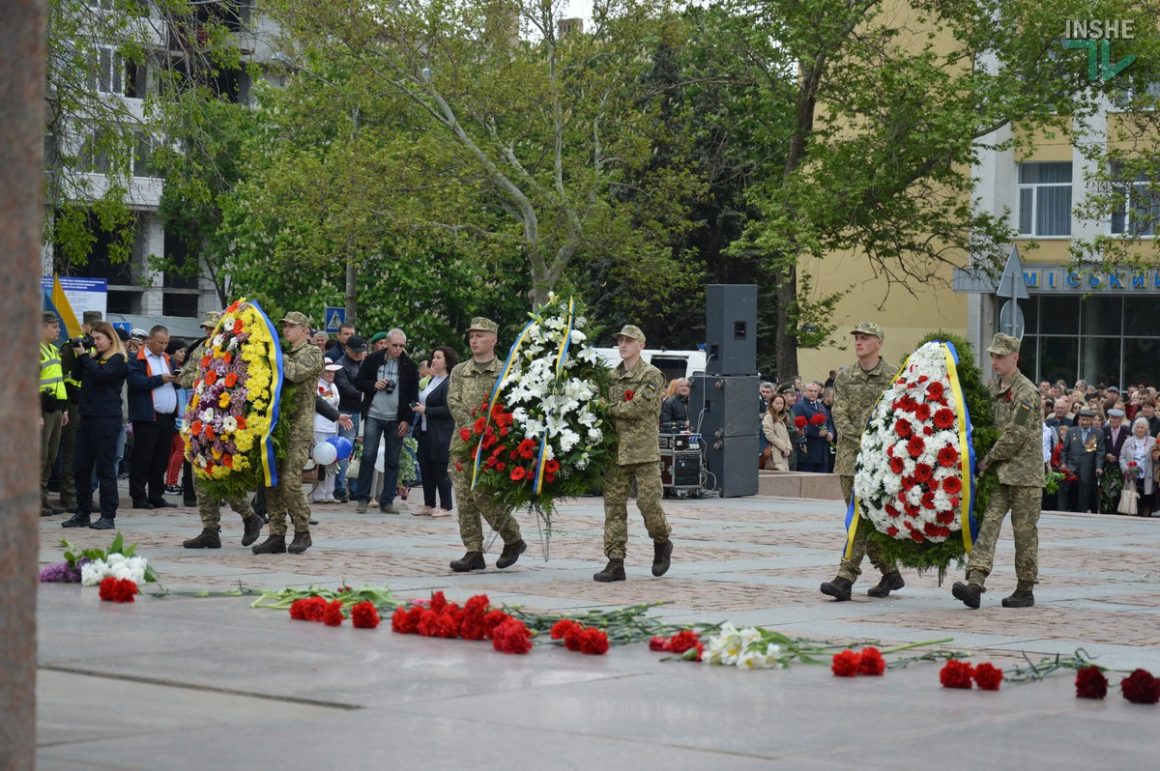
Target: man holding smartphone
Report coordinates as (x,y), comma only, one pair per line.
(389,381)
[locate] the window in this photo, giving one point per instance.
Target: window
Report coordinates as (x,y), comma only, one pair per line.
(1140,210)
(143,155)
(95,153)
(108,71)
(1045,199)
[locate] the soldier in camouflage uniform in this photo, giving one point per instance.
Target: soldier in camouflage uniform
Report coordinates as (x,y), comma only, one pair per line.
(470,384)
(210,508)
(634,396)
(856,391)
(301,365)
(1018,458)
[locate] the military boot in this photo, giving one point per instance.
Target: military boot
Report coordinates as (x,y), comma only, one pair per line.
(76,520)
(472,560)
(300,543)
(839,588)
(662,557)
(210,538)
(1022,597)
(891,582)
(274,544)
(253,525)
(613,571)
(511,552)
(969,594)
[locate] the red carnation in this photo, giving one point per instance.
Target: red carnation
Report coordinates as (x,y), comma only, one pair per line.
(465,434)
(1090,683)
(449,621)
(902,428)
(480,424)
(563,628)
(944,418)
(428,625)
(817,419)
(105,590)
(953,485)
(492,619)
(333,614)
(438,602)
(657,644)
(477,602)
(364,615)
(871,662)
(915,446)
(684,640)
(891,511)
(846,663)
(593,642)
(297,610)
(800,421)
(511,637)
(628,394)
(1141,688)
(988,676)
(956,674)
(948,456)
(401,621)
(472,626)
(897,465)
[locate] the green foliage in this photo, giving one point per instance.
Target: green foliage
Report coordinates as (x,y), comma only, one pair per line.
(937,556)
(1111,485)
(74,556)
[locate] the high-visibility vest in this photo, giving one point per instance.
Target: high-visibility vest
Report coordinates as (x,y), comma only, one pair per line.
(51,375)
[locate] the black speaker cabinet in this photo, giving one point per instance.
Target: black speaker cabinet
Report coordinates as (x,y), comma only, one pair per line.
(731,329)
(721,405)
(732,460)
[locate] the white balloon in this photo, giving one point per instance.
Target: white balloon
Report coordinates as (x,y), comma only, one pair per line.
(325,454)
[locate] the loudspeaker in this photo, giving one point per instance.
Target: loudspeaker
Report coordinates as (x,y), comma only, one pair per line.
(731,329)
(733,461)
(724,406)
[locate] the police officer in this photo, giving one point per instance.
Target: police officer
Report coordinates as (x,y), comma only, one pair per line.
(470,383)
(301,364)
(857,390)
(68,432)
(634,397)
(53,406)
(210,509)
(1017,457)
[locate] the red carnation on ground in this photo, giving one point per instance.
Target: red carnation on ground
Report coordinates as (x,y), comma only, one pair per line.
(817,419)
(333,614)
(512,637)
(296,611)
(593,642)
(401,621)
(428,625)
(800,421)
(492,619)
(902,428)
(915,446)
(105,590)
(364,615)
(658,644)
(438,602)
(683,641)
(846,663)
(956,674)
(1140,687)
(477,602)
(953,485)
(1090,683)
(472,626)
(871,662)
(563,628)
(944,418)
(948,456)
(988,676)
(449,621)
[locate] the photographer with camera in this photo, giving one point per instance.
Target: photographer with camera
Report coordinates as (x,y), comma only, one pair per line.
(101,372)
(68,431)
(389,381)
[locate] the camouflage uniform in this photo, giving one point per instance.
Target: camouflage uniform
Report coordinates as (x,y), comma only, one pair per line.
(1017,457)
(470,383)
(637,424)
(300,367)
(856,392)
(209,510)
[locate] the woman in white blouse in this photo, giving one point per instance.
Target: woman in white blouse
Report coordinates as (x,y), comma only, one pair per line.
(1136,460)
(435,427)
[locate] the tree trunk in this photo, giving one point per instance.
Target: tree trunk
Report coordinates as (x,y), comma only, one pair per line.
(787,347)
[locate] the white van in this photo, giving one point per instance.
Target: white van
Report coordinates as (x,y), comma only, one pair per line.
(673,364)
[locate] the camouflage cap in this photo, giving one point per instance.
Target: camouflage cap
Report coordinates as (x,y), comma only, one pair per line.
(631,331)
(92,317)
(48,317)
(1003,345)
(868,328)
(211,319)
(296,317)
(481,324)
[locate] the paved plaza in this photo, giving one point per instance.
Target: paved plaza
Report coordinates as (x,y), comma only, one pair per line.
(183,682)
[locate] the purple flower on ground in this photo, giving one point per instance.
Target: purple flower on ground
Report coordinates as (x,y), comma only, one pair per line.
(60,573)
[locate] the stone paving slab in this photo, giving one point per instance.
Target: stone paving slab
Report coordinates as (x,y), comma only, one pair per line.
(182,682)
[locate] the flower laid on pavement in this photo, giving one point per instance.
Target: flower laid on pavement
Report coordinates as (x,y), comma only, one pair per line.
(1090,683)
(1141,687)
(957,674)
(118,589)
(91,566)
(577,637)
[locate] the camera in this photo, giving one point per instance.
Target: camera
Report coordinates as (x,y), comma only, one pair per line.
(85,341)
(390,387)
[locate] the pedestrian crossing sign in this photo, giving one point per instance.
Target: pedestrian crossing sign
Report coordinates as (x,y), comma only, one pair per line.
(335,318)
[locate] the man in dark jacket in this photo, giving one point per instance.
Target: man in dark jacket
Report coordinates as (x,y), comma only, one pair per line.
(153,411)
(819,429)
(350,401)
(389,381)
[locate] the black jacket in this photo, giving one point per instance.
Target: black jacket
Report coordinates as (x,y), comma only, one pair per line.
(350,398)
(674,410)
(408,384)
(440,424)
(101,385)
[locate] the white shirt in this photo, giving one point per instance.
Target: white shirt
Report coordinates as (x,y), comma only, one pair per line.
(1048,443)
(329,394)
(164,395)
(432,384)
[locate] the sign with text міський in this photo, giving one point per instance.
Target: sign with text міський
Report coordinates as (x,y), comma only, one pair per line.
(1048,279)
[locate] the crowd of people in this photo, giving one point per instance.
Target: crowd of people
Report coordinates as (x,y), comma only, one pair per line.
(108,396)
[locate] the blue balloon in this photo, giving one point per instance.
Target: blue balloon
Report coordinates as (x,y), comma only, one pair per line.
(342,445)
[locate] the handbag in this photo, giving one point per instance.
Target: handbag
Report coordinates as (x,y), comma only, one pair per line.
(1128,500)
